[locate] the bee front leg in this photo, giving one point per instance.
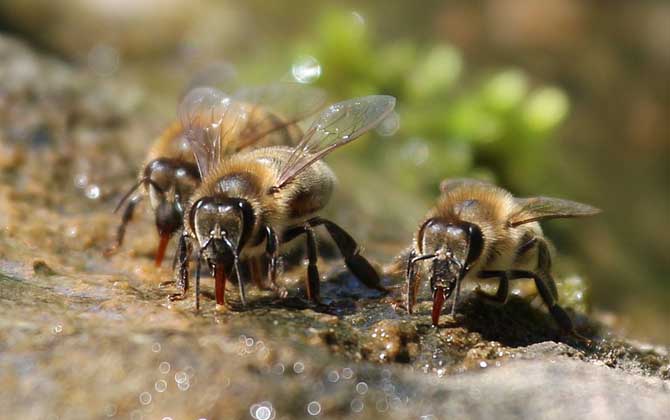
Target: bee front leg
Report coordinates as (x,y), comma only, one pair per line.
(182,272)
(355,262)
(121,230)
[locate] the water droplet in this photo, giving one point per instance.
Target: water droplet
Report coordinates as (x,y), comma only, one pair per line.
(362,388)
(92,191)
(156,347)
(72,232)
(57,329)
(483,364)
(333,376)
(298,367)
(80,180)
(347,373)
(160,385)
(314,408)
(167,418)
(181,377)
(145,398)
(263,413)
(164,368)
(306,69)
(183,386)
(389,125)
(249,342)
(357,405)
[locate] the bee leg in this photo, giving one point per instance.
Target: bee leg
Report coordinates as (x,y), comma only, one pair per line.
(502,293)
(455,301)
(544,266)
(271,250)
(121,230)
(355,262)
(254,264)
(410,279)
(542,281)
(313,279)
(181,275)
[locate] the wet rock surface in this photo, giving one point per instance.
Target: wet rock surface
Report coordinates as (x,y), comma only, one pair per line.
(82,336)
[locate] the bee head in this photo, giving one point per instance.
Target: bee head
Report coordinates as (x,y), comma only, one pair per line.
(222,226)
(455,246)
(169,184)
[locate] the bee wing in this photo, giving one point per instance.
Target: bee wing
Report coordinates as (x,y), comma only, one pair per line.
(219,74)
(209,118)
(452,184)
(275,107)
(338,125)
(541,208)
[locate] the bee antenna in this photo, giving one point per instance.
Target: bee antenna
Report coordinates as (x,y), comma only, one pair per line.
(130,192)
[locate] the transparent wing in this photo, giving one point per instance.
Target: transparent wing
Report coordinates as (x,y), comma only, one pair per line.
(541,208)
(338,125)
(452,184)
(209,118)
(219,74)
(276,107)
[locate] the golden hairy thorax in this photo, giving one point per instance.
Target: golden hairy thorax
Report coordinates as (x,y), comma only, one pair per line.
(171,144)
(251,175)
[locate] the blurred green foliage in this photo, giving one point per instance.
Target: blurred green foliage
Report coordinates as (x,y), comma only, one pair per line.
(495,126)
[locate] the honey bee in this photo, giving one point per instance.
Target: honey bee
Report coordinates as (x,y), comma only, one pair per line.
(257,201)
(480,231)
(170,174)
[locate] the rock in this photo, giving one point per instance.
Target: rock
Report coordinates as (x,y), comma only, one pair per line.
(82,336)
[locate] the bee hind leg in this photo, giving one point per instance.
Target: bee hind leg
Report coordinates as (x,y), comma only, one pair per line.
(355,262)
(543,280)
(544,265)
